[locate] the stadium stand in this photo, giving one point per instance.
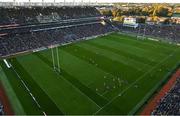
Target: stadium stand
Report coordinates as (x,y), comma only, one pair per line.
(167,32)
(38,27)
(170,104)
(33,15)
(1,109)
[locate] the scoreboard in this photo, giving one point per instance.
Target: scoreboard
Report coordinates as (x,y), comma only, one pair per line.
(130,22)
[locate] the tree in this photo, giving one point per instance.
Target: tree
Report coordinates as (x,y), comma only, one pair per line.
(119,19)
(145,11)
(106,12)
(162,11)
(114,12)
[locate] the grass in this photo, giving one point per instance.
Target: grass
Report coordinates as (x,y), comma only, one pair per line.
(21,93)
(106,75)
(15,104)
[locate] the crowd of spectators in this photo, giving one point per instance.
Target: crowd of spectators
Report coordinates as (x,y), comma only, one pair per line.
(170,104)
(33,15)
(24,29)
(167,32)
(15,43)
(28,28)
(1,109)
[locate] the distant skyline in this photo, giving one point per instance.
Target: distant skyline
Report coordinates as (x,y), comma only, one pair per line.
(100,1)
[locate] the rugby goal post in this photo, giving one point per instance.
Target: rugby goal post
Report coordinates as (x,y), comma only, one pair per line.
(55,58)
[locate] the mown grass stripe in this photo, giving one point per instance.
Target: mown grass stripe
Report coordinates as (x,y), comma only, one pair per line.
(136,81)
(46,103)
(149,45)
(119,50)
(87,91)
(137,47)
(57,88)
(91,73)
(141,61)
(104,63)
(144,42)
(111,56)
(152,55)
(118,72)
(15,103)
(23,96)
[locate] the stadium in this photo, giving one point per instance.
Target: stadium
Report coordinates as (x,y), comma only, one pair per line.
(70,59)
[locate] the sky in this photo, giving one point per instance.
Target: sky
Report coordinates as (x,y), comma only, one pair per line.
(110,1)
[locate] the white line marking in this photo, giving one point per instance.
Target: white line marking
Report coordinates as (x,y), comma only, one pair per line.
(32,96)
(78,89)
(135,82)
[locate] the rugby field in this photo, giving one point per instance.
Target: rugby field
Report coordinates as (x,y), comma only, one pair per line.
(111,74)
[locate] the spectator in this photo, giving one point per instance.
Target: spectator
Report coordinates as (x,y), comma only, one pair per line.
(170,104)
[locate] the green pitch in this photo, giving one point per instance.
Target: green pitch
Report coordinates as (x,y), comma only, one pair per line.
(107,75)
